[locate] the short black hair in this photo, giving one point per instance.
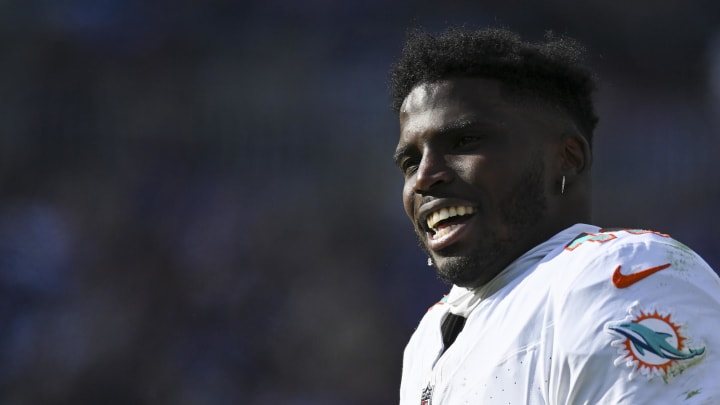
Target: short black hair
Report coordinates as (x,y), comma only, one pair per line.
(552,70)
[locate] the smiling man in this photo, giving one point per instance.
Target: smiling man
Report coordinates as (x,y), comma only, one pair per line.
(496,148)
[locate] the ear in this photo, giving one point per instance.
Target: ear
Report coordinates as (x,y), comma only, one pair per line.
(575,154)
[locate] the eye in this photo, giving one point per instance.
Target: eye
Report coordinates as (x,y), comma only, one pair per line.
(409,166)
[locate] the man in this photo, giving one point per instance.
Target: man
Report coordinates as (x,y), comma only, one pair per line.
(496,148)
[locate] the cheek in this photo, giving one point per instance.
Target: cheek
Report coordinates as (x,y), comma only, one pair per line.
(493,180)
(480,174)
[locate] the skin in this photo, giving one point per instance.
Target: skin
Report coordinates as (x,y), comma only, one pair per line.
(469,142)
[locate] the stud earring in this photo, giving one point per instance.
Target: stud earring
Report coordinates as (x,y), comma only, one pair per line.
(430,262)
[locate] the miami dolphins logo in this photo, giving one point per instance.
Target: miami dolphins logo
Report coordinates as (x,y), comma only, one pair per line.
(652,345)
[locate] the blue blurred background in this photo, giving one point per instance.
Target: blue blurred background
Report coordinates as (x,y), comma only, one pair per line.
(198,202)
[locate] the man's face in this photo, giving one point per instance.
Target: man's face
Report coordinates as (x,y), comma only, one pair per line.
(475,165)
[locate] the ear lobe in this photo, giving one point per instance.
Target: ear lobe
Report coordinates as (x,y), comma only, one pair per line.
(575,154)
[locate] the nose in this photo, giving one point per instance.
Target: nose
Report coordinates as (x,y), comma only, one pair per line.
(432,171)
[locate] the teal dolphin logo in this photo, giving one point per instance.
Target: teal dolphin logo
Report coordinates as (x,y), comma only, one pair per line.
(645,339)
(652,344)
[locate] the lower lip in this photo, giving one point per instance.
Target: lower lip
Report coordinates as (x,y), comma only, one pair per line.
(452,237)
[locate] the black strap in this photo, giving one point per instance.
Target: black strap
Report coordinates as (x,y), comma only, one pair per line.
(451,327)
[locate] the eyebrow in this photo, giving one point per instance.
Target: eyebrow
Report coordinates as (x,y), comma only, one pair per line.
(458,125)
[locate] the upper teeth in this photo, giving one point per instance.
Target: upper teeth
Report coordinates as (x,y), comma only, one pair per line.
(445,213)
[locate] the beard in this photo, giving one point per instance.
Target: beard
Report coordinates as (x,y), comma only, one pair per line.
(520,213)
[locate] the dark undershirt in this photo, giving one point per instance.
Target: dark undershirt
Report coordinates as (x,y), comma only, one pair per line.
(451,327)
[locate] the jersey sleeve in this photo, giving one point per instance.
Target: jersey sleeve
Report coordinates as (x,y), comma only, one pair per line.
(638,323)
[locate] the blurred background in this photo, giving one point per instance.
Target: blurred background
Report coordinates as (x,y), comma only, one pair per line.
(198,203)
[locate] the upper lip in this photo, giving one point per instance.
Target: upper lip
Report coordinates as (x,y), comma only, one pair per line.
(428,208)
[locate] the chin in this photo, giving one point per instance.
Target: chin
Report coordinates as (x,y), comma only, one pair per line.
(467,271)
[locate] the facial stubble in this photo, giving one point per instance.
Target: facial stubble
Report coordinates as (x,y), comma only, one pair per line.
(521,212)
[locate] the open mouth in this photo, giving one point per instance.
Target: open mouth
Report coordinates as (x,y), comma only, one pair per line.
(445,220)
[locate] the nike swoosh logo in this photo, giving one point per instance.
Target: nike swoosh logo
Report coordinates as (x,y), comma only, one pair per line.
(626,280)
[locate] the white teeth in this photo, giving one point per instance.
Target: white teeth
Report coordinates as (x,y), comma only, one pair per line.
(445,213)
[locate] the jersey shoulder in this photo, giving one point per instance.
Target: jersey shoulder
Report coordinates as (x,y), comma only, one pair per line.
(604,238)
(628,245)
(624,257)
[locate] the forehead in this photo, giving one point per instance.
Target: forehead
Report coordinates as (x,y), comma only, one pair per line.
(433,107)
(455,91)
(433,104)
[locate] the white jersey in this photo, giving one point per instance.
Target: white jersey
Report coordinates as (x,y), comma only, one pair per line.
(590,317)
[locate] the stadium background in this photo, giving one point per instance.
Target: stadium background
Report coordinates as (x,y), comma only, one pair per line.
(198,203)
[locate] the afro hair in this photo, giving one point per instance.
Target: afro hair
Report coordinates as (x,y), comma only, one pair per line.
(551,71)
